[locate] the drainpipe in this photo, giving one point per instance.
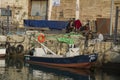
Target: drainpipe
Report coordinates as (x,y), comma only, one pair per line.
(77,9)
(8,14)
(111,16)
(116,24)
(50,10)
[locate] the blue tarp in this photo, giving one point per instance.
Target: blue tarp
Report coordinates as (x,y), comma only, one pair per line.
(46,24)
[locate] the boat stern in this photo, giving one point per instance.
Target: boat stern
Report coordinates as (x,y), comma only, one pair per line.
(93,57)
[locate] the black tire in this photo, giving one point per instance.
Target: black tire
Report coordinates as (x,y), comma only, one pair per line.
(31,52)
(11,50)
(20,48)
(7,45)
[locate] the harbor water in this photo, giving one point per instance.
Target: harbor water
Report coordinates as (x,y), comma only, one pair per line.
(14,68)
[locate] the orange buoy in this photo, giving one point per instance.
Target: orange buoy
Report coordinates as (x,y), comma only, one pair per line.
(41,38)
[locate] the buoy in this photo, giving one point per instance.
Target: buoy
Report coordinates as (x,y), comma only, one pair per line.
(7,45)
(20,48)
(41,38)
(11,50)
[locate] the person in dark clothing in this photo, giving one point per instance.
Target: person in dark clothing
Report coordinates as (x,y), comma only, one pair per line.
(85,27)
(70,26)
(86,39)
(88,36)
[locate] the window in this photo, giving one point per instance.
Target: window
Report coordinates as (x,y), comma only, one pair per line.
(39,8)
(5,12)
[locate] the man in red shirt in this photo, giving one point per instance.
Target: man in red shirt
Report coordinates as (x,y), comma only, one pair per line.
(77,25)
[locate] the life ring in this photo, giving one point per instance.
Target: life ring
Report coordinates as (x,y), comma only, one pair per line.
(41,38)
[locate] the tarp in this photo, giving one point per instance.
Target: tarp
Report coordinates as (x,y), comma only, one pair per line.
(46,24)
(66,40)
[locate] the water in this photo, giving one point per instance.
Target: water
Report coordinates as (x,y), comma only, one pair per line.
(14,68)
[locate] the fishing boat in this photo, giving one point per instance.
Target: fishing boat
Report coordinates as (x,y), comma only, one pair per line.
(71,59)
(78,61)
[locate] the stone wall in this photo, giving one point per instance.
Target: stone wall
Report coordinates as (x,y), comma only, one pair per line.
(89,10)
(94,9)
(19,10)
(65,11)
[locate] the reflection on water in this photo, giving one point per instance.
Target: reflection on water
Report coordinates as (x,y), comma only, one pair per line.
(57,73)
(14,62)
(12,68)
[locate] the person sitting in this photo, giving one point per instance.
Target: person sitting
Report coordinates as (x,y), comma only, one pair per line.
(84,29)
(78,25)
(88,36)
(70,26)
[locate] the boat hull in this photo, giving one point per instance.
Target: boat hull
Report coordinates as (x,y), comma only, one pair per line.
(82,61)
